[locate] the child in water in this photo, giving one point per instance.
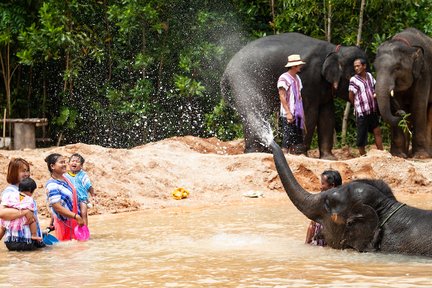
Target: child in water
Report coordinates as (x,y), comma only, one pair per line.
(82,183)
(26,187)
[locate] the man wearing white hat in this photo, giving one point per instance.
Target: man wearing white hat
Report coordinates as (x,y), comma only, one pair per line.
(293,123)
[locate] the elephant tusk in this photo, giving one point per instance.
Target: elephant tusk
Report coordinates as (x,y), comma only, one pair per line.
(392,93)
(335,85)
(334,217)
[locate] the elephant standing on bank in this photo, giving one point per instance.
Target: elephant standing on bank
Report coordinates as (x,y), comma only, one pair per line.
(362,214)
(404,85)
(249,84)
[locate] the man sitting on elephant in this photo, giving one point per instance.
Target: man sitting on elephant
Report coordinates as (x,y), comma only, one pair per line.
(291,109)
(362,96)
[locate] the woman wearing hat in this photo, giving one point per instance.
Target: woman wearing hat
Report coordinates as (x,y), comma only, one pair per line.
(289,85)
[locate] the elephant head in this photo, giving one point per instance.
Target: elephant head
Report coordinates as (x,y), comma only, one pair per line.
(398,66)
(346,212)
(337,68)
(362,214)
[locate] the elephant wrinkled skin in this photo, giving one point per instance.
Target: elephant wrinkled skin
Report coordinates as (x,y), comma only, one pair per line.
(249,84)
(363,214)
(404,85)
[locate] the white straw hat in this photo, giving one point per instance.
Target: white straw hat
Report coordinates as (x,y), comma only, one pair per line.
(294,60)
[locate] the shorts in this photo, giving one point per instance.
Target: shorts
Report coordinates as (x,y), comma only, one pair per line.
(292,134)
(24,246)
(366,123)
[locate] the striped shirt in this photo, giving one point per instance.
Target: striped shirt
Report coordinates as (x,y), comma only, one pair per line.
(59,191)
(363,89)
(293,95)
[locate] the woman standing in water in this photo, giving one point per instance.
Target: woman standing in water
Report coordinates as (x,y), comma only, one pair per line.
(62,198)
(18,240)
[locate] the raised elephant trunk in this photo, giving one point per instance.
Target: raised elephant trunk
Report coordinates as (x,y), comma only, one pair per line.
(384,91)
(306,202)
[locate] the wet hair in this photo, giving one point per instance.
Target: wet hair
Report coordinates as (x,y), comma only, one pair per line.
(27,185)
(13,170)
(81,158)
(362,60)
(333,177)
(52,159)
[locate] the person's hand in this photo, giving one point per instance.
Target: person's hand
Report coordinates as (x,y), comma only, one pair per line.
(79,219)
(29,216)
(290,118)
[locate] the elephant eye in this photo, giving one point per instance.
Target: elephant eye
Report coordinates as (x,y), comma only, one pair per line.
(327,205)
(397,68)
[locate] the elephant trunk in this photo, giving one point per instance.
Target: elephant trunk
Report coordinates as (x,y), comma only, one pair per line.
(309,204)
(384,92)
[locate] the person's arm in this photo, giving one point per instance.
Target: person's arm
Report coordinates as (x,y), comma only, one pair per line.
(10,214)
(91,191)
(351,97)
(285,105)
(67,213)
(310,232)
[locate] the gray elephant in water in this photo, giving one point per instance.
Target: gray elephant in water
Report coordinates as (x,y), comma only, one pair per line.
(404,85)
(362,214)
(249,84)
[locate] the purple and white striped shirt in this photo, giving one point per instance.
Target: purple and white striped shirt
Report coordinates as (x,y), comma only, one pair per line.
(363,89)
(293,87)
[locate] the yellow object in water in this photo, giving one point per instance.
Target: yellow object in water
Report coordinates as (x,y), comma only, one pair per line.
(180,193)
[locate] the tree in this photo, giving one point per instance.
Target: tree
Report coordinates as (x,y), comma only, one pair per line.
(13,17)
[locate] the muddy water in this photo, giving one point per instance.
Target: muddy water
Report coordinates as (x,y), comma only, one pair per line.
(257,243)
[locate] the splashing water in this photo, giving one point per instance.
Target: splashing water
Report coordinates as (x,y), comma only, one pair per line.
(262,129)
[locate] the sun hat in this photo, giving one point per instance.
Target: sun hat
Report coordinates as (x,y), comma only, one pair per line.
(294,60)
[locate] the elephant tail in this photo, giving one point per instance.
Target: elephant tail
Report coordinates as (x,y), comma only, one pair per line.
(225,86)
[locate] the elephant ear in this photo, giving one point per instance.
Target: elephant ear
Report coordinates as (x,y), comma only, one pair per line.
(418,61)
(331,70)
(361,229)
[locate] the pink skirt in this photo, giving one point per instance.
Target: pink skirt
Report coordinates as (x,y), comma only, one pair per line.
(65,229)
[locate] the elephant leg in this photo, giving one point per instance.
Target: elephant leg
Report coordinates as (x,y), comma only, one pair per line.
(325,129)
(253,141)
(421,133)
(399,143)
(311,116)
(429,130)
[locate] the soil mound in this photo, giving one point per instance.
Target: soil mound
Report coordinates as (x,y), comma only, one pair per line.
(214,172)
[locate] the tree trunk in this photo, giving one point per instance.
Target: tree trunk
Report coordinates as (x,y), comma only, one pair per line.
(348,104)
(273,15)
(329,16)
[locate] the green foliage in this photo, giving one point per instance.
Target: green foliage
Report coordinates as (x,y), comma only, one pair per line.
(224,123)
(404,124)
(125,72)
(66,118)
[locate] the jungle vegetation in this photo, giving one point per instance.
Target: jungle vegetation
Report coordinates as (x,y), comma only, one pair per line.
(121,73)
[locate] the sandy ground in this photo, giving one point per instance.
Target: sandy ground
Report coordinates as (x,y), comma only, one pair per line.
(214,173)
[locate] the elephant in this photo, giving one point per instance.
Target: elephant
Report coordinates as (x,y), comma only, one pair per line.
(363,214)
(404,85)
(248,84)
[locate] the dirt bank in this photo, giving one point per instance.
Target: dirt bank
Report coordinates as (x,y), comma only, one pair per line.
(214,172)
